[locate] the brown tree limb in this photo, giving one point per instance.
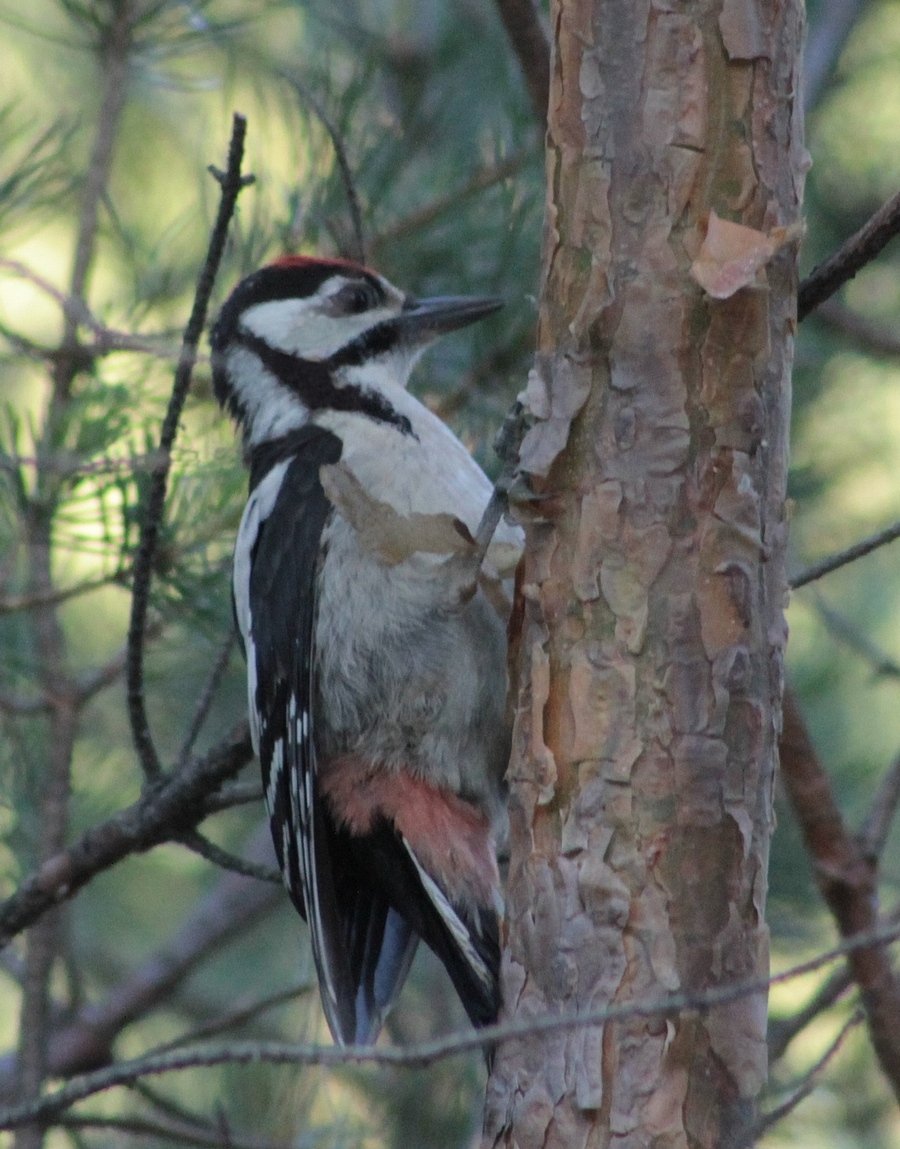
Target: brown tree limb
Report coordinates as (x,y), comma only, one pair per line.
(176,803)
(531,45)
(847,880)
(86,1041)
(852,256)
(848,555)
(422,1054)
(231,183)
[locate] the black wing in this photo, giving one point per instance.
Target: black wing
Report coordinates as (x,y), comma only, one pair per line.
(362,947)
(466,940)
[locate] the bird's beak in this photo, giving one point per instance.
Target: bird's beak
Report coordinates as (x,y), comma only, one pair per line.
(423,319)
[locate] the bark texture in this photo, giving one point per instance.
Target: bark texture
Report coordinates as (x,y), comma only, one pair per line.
(653,636)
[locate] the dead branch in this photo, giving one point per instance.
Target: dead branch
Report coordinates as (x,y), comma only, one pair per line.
(231,183)
(531,45)
(843,629)
(358,249)
(806,1086)
(422,1054)
(852,256)
(86,1041)
(847,880)
(176,803)
(848,555)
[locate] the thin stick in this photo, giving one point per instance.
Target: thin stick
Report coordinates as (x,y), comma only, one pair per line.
(231,183)
(842,558)
(851,257)
(423,1054)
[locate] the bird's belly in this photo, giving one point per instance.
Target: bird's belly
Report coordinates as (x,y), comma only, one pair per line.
(406,679)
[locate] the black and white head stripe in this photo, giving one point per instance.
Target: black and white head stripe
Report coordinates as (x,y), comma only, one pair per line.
(302,320)
(313,383)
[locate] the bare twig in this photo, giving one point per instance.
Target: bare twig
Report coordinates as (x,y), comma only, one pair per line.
(531,45)
(874,831)
(850,554)
(206,1136)
(212,853)
(78,314)
(841,628)
(847,880)
(234,794)
(871,837)
(231,183)
(242,1015)
(85,1041)
(422,1054)
(175,804)
(67,464)
(807,1085)
(206,697)
(358,250)
(853,255)
(14,604)
(424,217)
(782,1031)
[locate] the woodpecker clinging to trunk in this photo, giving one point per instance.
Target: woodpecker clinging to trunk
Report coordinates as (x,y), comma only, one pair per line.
(375,645)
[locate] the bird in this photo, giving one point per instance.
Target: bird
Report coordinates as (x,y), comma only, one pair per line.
(374,631)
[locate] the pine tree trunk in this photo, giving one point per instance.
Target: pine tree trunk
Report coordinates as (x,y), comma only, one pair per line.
(653,637)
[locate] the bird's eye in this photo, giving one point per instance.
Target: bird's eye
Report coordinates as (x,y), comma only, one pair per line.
(356,298)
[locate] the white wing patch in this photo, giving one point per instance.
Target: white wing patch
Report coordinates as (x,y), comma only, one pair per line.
(259,507)
(452,920)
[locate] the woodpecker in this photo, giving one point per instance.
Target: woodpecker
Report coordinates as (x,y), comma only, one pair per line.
(375,642)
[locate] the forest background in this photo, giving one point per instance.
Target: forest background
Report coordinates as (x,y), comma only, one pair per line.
(418,119)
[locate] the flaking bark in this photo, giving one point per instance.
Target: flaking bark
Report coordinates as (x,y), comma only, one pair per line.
(654,583)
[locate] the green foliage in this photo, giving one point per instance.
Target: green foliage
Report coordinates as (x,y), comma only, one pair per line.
(432,118)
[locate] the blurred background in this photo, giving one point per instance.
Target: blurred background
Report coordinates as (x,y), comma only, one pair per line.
(432,117)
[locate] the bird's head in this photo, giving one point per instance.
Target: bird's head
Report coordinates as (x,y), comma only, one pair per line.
(305,334)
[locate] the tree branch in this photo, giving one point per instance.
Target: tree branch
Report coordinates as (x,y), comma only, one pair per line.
(842,558)
(841,628)
(422,1054)
(531,45)
(852,256)
(783,1030)
(231,183)
(847,880)
(807,1085)
(85,1042)
(358,248)
(176,803)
